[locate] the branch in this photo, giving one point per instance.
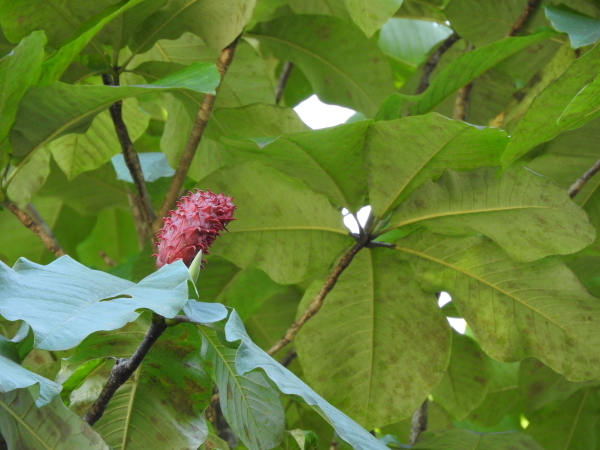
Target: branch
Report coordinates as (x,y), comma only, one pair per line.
(123,369)
(529,9)
(200,124)
(433,60)
(317,302)
(131,157)
(419,423)
(461,104)
(287,359)
(580,183)
(47,239)
(283,77)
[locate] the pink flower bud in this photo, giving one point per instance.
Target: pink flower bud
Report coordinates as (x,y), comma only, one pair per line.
(194,226)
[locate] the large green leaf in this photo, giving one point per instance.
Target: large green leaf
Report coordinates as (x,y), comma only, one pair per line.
(30,178)
(250,357)
(217,23)
(65,301)
(516,310)
(568,425)
(163,402)
(369,15)
(459,439)
(18,70)
(48,112)
(403,154)
(465,383)
(541,121)
(77,153)
(349,350)
(52,427)
(527,215)
(13,376)
(281,226)
(251,407)
(342,65)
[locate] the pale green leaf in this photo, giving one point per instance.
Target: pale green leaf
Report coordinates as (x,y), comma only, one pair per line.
(65,301)
(343,66)
(465,383)
(13,376)
(250,406)
(154,166)
(403,154)
(250,357)
(349,350)
(516,310)
(527,215)
(582,30)
(272,207)
(52,427)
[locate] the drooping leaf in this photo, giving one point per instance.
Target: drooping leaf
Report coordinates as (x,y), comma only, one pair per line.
(466,380)
(541,121)
(13,376)
(250,406)
(249,357)
(459,439)
(162,404)
(78,153)
(274,208)
(349,350)
(527,215)
(217,23)
(369,15)
(582,30)
(66,301)
(53,426)
(403,154)
(342,65)
(516,310)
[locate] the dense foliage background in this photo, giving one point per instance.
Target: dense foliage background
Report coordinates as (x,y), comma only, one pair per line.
(475,142)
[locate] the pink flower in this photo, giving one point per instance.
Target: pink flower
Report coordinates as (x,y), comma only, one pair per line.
(194,226)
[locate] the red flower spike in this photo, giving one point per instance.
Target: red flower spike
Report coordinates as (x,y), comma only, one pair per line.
(194,226)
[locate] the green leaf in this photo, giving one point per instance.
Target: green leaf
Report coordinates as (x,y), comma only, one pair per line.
(78,153)
(482,23)
(516,310)
(48,112)
(425,147)
(582,30)
(541,121)
(300,440)
(369,15)
(66,301)
(349,350)
(273,208)
(569,425)
(466,380)
(250,406)
(30,178)
(13,376)
(78,377)
(470,65)
(249,357)
(329,161)
(162,404)
(343,66)
(18,70)
(52,427)
(217,23)
(527,215)
(458,439)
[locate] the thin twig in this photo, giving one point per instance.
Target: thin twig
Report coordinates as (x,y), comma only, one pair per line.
(287,359)
(200,124)
(580,183)
(518,25)
(123,369)
(283,77)
(47,239)
(433,60)
(419,423)
(317,302)
(461,104)
(137,211)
